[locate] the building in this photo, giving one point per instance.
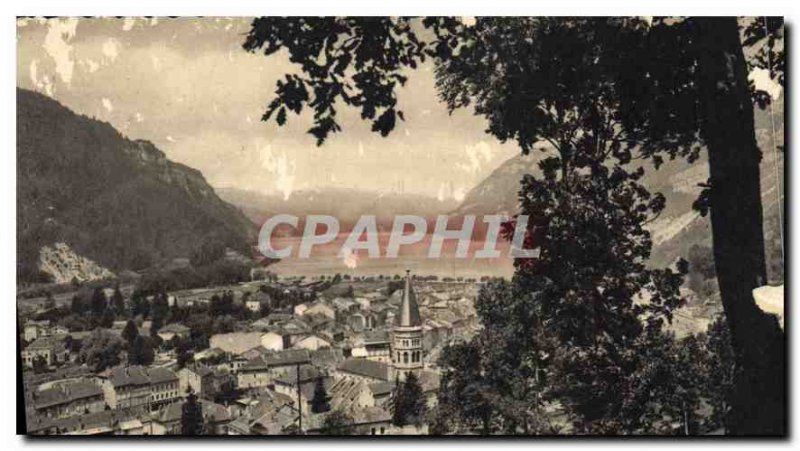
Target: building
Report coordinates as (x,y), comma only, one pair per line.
(137,386)
(260,371)
(50,349)
(377,345)
(320,309)
(381,392)
(300,309)
(69,398)
(270,414)
(312,343)
(366,369)
(173,330)
(104,422)
(36,329)
(281,362)
(407,334)
(274,341)
(236,342)
(197,377)
(255,373)
(287,385)
(254,305)
(348,394)
(167,421)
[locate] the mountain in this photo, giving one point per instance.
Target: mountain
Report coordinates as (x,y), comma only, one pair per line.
(678,227)
(347,205)
(118,202)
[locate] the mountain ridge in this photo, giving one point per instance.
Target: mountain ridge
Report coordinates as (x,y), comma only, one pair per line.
(117,201)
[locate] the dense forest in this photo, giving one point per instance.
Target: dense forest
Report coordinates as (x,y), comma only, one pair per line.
(119,202)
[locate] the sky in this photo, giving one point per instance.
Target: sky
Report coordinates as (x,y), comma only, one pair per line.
(189,87)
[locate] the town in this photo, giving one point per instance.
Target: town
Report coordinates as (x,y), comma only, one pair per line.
(330,356)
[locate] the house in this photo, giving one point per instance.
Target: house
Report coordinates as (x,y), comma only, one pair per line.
(258,351)
(271,413)
(235,342)
(104,422)
(345,306)
(363,302)
(69,398)
(167,420)
(381,392)
(312,343)
(254,305)
(259,371)
(366,369)
(276,318)
(377,345)
(173,330)
(273,341)
(137,386)
(357,322)
(348,393)
(372,421)
(366,421)
(133,426)
(126,387)
(290,331)
(254,374)
(164,386)
(300,309)
(210,354)
(50,349)
(335,333)
(320,309)
(281,361)
(327,357)
(36,329)
(287,384)
(197,377)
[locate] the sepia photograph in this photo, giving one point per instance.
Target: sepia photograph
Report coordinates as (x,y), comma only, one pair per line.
(425,226)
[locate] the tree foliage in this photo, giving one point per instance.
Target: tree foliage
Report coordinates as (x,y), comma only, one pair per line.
(593,95)
(101,350)
(408,403)
(118,301)
(191,415)
(337,422)
(319,403)
(141,351)
(130,332)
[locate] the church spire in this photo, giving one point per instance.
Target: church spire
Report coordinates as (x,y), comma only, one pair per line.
(409,311)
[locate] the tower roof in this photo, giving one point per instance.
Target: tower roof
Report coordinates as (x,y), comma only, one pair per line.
(408,316)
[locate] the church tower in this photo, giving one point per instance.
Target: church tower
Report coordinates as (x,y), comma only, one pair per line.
(407,334)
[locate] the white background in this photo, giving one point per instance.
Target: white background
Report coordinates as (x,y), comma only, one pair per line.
(8,440)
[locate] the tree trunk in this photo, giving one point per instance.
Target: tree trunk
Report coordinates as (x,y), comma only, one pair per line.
(727,127)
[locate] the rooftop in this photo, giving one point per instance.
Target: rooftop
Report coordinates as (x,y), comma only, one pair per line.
(366,368)
(66,393)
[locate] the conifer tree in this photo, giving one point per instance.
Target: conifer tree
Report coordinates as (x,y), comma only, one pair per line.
(141,351)
(130,332)
(98,302)
(319,403)
(409,402)
(414,399)
(118,301)
(107,320)
(191,415)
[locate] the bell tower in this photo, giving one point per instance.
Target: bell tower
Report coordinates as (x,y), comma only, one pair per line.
(407,349)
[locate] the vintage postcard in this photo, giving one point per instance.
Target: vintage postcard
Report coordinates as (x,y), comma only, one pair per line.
(383,226)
